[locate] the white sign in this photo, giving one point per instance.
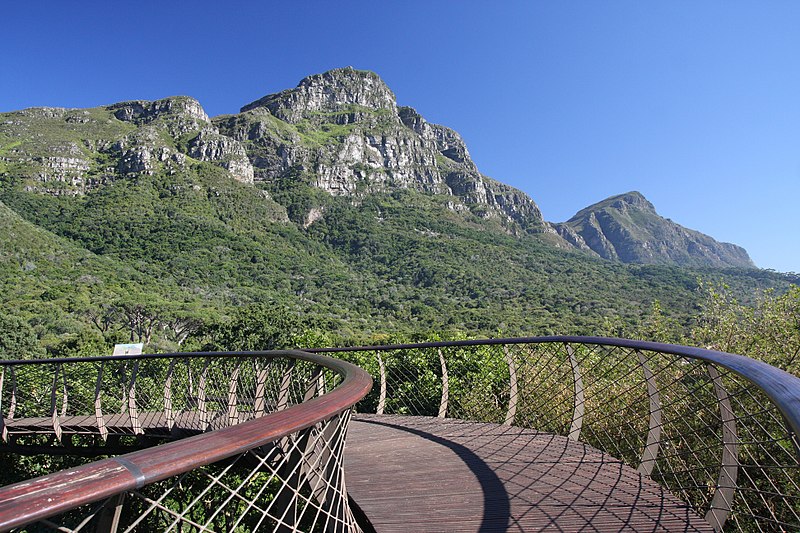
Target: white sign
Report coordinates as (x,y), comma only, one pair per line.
(128,349)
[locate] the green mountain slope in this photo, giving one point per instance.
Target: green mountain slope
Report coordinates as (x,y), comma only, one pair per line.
(328,200)
(55,284)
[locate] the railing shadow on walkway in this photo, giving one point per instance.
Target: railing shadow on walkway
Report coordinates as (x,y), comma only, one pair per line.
(718,431)
(496,504)
(501,478)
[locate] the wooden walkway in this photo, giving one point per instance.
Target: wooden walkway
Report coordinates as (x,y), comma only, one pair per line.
(425,474)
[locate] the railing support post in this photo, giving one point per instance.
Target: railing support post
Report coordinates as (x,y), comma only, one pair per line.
(233,399)
(577,413)
(133,410)
(286,382)
(650,452)
(260,404)
(3,429)
(108,519)
(202,406)
(722,502)
(511,412)
(382,397)
(53,408)
(169,414)
(445,386)
(290,472)
(98,406)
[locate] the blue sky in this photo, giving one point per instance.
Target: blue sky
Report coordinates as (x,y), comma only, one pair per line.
(695,104)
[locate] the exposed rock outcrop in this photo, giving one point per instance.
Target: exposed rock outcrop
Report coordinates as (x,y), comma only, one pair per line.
(628,229)
(332,91)
(344,131)
(70,151)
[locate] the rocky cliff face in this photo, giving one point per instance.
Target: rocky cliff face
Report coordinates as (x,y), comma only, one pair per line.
(71,151)
(343,132)
(628,229)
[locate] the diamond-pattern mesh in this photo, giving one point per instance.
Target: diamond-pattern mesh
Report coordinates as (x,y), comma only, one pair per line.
(293,484)
(675,419)
(708,435)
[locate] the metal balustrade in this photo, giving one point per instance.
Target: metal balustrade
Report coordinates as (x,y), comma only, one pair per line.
(239,442)
(222,442)
(720,431)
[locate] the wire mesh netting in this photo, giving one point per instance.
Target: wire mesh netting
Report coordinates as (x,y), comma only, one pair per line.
(707,434)
(295,483)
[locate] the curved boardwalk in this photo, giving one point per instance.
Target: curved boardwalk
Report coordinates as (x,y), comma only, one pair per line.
(430,474)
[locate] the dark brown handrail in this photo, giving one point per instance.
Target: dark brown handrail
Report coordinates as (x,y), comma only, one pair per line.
(36,499)
(782,388)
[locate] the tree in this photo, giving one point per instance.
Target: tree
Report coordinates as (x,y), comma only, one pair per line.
(17,339)
(769,330)
(256,327)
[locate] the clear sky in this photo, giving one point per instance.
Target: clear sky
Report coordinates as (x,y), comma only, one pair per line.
(695,104)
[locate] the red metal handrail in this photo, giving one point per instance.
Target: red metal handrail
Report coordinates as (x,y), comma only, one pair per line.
(33,500)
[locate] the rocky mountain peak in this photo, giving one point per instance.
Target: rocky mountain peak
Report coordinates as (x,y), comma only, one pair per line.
(330,92)
(627,228)
(633,198)
(144,112)
(621,202)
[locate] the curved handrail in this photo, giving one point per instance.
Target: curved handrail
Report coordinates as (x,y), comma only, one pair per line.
(780,386)
(719,430)
(49,495)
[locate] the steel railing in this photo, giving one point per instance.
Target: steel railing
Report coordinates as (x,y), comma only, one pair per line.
(244,441)
(718,430)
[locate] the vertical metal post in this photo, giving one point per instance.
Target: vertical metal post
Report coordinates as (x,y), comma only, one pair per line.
(722,502)
(3,429)
(513,394)
(260,404)
(201,397)
(109,515)
(133,410)
(445,386)
(169,414)
(650,452)
(98,407)
(233,399)
(53,410)
(382,397)
(315,382)
(577,413)
(286,382)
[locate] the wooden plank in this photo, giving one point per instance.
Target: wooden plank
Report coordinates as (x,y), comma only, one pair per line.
(430,474)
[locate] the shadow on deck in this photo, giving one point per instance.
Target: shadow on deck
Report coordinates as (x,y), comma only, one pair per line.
(431,474)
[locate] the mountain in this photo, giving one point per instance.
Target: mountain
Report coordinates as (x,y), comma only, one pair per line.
(327,199)
(342,132)
(627,228)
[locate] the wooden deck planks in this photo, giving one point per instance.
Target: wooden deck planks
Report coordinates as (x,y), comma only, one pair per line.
(429,475)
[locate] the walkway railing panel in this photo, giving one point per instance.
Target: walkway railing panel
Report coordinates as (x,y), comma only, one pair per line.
(266,452)
(717,430)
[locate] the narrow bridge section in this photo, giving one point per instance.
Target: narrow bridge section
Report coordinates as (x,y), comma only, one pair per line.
(430,474)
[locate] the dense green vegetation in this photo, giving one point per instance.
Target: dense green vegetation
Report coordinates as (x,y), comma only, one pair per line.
(153,258)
